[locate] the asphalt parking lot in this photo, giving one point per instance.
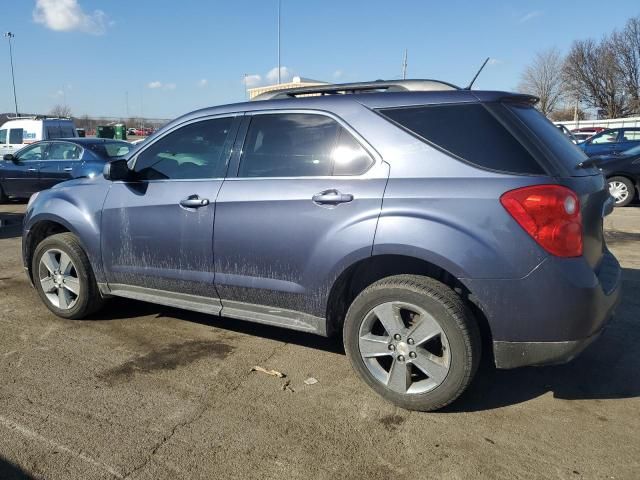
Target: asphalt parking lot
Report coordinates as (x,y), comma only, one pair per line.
(146,392)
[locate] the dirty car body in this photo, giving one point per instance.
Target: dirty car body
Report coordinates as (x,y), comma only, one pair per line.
(256,236)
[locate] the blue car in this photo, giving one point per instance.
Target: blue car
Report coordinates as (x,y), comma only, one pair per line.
(43,164)
(612,141)
(356,210)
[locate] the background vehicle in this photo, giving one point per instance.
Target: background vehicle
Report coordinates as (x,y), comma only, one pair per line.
(44,164)
(17,133)
(611,141)
(623,174)
(364,214)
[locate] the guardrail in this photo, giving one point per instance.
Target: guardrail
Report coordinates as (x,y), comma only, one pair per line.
(612,123)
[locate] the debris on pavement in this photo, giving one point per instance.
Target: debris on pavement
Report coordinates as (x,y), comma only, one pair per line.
(286,386)
(273,373)
(311,381)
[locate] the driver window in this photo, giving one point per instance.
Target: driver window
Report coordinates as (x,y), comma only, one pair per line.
(194,151)
(32,153)
(608,137)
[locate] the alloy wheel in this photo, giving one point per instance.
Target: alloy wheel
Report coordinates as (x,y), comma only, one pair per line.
(59,279)
(618,191)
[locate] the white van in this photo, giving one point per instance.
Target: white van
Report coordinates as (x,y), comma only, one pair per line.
(16,133)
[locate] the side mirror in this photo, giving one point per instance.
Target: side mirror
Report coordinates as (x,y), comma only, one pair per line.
(117,170)
(9,157)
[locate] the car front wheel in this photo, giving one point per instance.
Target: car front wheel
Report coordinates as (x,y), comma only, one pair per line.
(622,191)
(412,340)
(63,277)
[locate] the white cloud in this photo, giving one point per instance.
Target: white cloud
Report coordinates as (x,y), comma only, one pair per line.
(338,74)
(530,16)
(251,81)
(67,16)
(494,61)
(159,85)
(285,75)
(203,82)
(58,94)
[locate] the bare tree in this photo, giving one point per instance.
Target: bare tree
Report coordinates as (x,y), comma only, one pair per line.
(591,69)
(626,45)
(62,111)
(544,79)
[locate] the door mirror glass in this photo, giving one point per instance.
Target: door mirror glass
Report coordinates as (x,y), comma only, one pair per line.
(117,170)
(9,157)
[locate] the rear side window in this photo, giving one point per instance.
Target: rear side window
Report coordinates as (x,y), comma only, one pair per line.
(300,145)
(15,135)
(67,132)
(470,132)
(3,136)
(553,139)
(53,131)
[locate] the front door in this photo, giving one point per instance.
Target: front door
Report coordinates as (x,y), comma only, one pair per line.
(603,143)
(157,230)
(304,204)
(21,176)
(60,163)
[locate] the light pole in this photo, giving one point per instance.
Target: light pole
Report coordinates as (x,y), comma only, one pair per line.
(9,36)
(279,7)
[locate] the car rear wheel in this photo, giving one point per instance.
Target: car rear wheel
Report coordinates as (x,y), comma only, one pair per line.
(622,191)
(63,277)
(412,340)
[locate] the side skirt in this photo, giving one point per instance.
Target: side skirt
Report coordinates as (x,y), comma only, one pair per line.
(291,319)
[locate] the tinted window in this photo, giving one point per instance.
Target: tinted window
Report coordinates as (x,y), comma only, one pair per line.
(470,132)
(3,136)
(289,145)
(32,153)
(111,149)
(15,135)
(53,131)
(563,149)
(193,151)
(63,151)
(67,132)
(349,158)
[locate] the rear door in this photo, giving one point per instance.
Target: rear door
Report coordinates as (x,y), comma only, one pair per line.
(301,201)
(4,136)
(15,140)
(60,163)
(630,138)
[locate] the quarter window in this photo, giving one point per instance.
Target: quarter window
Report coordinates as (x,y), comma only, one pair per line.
(300,145)
(198,150)
(631,135)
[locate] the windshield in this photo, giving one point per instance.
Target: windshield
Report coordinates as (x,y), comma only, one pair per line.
(112,149)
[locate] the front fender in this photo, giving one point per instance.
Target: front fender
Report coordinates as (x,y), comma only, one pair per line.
(78,209)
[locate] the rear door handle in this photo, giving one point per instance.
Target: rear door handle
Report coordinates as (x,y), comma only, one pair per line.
(68,169)
(332,197)
(194,201)
(32,169)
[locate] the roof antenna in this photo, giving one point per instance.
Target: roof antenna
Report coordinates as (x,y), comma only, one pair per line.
(468,87)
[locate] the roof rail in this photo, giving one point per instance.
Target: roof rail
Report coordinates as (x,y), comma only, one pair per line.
(359,87)
(38,117)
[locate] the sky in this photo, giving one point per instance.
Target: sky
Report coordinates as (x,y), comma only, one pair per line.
(163,58)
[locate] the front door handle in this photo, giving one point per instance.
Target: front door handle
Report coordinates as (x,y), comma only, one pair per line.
(194,201)
(68,169)
(332,197)
(32,169)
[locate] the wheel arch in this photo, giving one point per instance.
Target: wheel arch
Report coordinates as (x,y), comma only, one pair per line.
(355,278)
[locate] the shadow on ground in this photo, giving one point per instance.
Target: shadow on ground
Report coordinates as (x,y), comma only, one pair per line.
(608,369)
(10,225)
(9,471)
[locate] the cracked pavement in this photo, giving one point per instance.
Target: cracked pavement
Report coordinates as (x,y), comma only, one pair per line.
(150,392)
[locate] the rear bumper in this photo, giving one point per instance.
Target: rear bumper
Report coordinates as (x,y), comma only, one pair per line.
(522,354)
(553,313)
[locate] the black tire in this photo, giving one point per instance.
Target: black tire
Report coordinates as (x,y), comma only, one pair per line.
(631,189)
(452,316)
(88,299)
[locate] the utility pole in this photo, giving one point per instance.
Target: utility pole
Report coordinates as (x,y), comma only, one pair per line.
(279,7)
(404,65)
(9,36)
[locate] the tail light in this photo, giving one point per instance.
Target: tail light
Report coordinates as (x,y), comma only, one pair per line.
(550,214)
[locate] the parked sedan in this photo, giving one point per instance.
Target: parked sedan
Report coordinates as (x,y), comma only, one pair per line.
(623,174)
(43,164)
(612,141)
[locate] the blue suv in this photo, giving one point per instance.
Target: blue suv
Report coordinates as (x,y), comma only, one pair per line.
(426,224)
